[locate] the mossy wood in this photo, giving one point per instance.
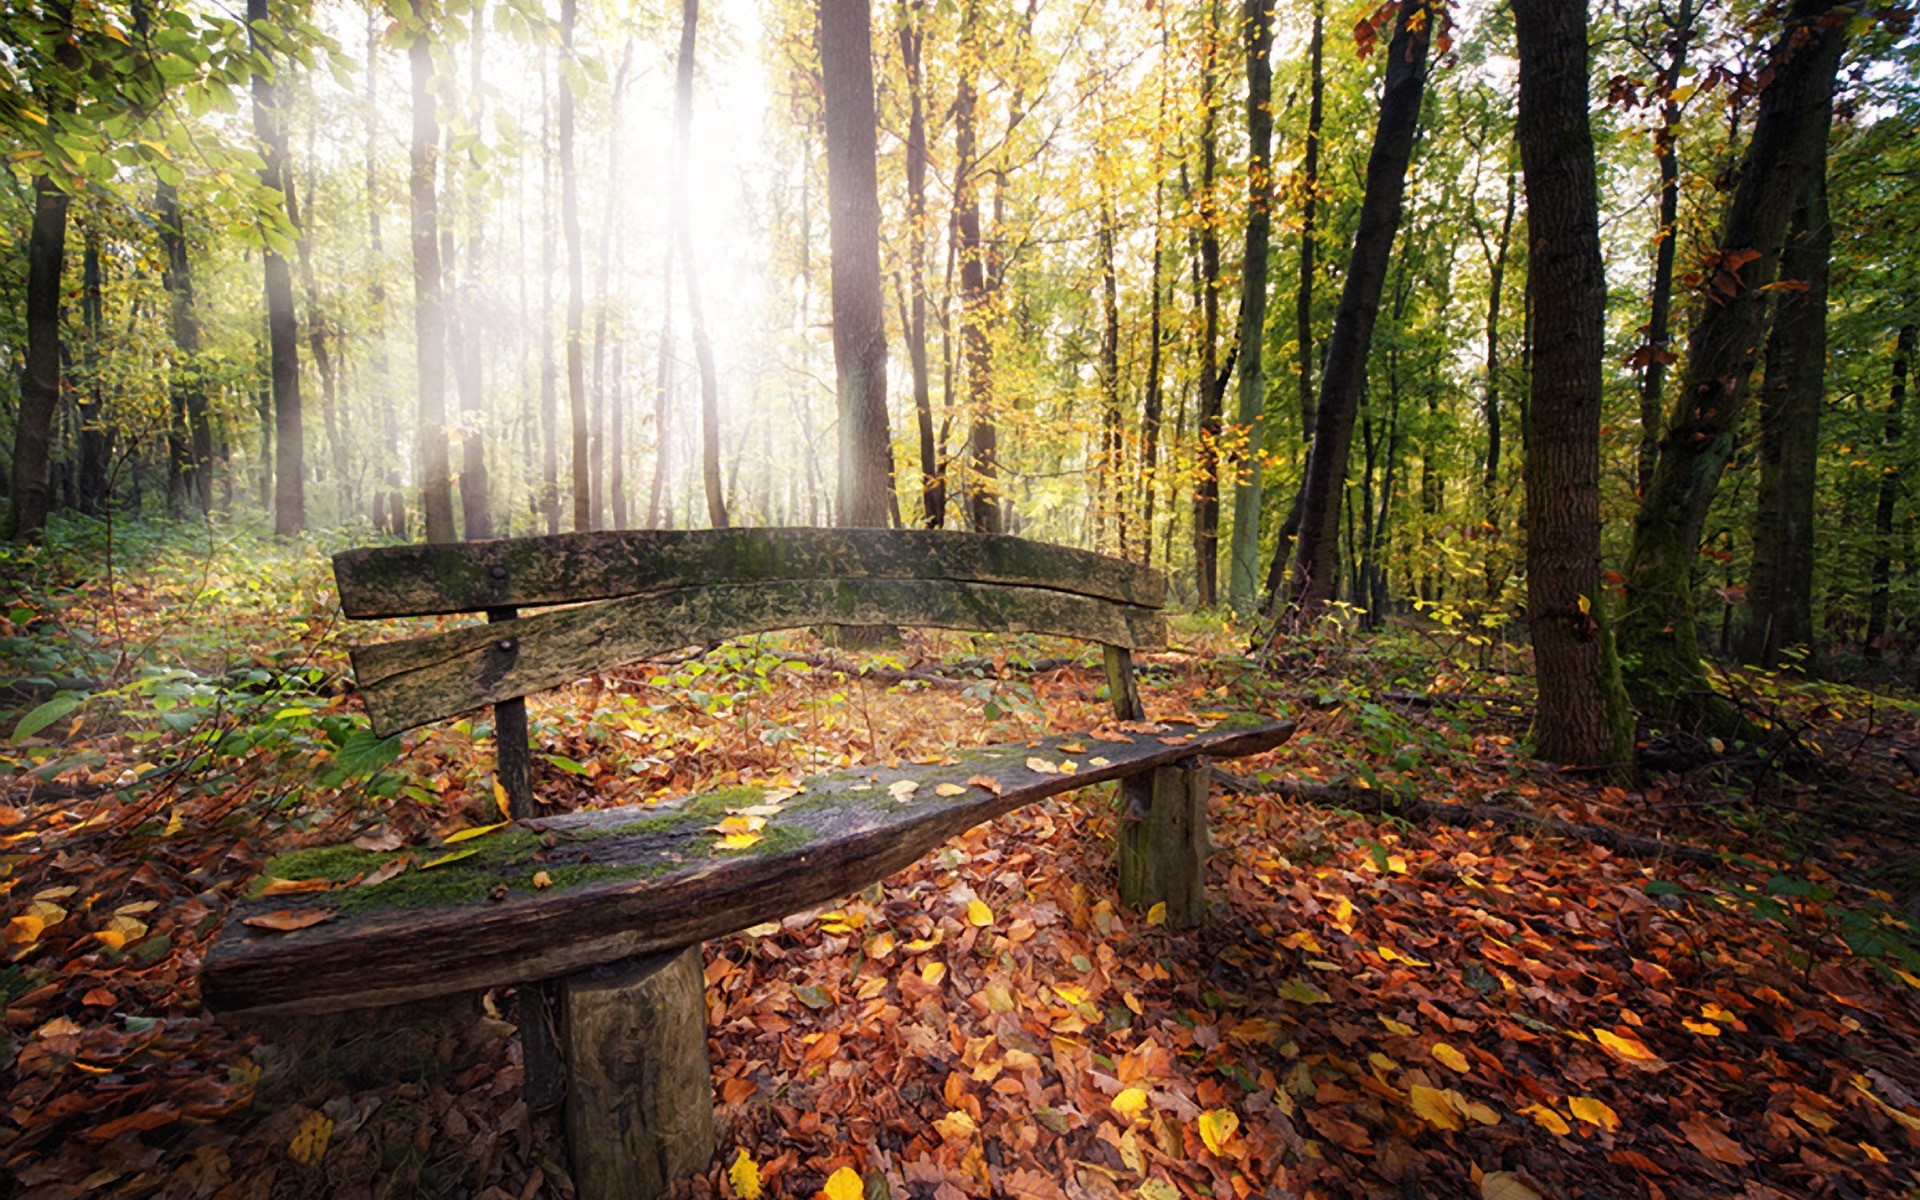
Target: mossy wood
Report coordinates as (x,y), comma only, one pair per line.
(635,880)
(569,568)
(1163,850)
(424,679)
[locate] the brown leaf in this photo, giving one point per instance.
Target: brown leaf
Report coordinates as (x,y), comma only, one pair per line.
(288,920)
(987,782)
(291,887)
(1708,1140)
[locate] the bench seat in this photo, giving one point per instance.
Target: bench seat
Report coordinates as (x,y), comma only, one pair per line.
(627,881)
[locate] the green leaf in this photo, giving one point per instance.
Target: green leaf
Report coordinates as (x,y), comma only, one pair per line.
(361,753)
(46,714)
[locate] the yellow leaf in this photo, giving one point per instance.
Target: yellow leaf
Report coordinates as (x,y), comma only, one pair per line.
(978,914)
(1703,1028)
(175,825)
(121,931)
(1041,766)
(740,824)
(1547,1119)
(933,973)
(477,831)
(1473,1110)
(1713,1012)
(444,859)
(1217,1126)
(25,930)
(738,841)
(1343,914)
(1397,863)
(958,1125)
(310,1140)
(1300,939)
(1432,1105)
(1631,1049)
(744,1174)
(1593,1112)
(1394,1026)
(1447,1056)
(949,789)
(500,801)
(1505,1185)
(1130,1103)
(542,880)
(1389,954)
(1157,915)
(1908,978)
(1873,1152)
(900,789)
(845,1184)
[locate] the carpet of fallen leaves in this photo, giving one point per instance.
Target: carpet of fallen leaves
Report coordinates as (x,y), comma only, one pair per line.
(1373,1008)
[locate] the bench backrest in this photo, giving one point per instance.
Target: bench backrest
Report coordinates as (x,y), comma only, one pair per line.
(638,594)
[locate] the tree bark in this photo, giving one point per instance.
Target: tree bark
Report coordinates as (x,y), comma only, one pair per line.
(1211,383)
(696,311)
(933,479)
(429,314)
(1344,373)
(1243,579)
(853,210)
(983,456)
(1653,371)
(549,383)
(1109,493)
(576,276)
(1778,610)
(1892,440)
(1582,716)
(1309,208)
(193,452)
(317,335)
(1658,640)
(476,510)
(95,440)
(1151,400)
(283,329)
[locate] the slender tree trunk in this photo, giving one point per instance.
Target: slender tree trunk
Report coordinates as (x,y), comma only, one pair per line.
(933,479)
(662,409)
(317,335)
(576,277)
(983,488)
(429,313)
(283,329)
(1111,468)
(1151,400)
(696,311)
(1211,384)
(1581,715)
(1243,579)
(95,441)
(387,431)
(608,425)
(476,500)
(187,389)
(1345,371)
(1309,209)
(1778,612)
(1490,386)
(1892,442)
(853,208)
(617,436)
(1658,638)
(1655,353)
(549,383)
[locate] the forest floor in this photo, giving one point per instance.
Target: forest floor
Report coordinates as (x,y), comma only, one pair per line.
(1432,969)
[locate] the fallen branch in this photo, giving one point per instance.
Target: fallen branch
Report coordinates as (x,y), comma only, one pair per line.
(1466,816)
(827,662)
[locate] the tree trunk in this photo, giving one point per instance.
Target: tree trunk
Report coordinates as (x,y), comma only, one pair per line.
(549,384)
(1655,353)
(853,210)
(429,314)
(1211,383)
(1658,639)
(1581,717)
(283,329)
(95,441)
(1309,207)
(1344,373)
(933,479)
(696,311)
(576,277)
(476,508)
(662,410)
(1243,579)
(1892,442)
(317,334)
(194,452)
(1109,494)
(983,456)
(1778,610)
(1151,400)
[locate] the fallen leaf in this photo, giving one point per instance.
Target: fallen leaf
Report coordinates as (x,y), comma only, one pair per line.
(120,932)
(542,880)
(467,835)
(1130,1103)
(1505,1185)
(901,789)
(1593,1112)
(958,1125)
(1547,1119)
(845,1184)
(1393,1026)
(949,789)
(978,914)
(1301,992)
(1041,766)
(984,782)
(310,1140)
(1708,1140)
(1432,1105)
(744,1174)
(444,859)
(1217,1126)
(288,920)
(1449,1057)
(387,872)
(738,841)
(1629,1049)
(1157,915)
(933,973)
(99,998)
(380,842)
(288,887)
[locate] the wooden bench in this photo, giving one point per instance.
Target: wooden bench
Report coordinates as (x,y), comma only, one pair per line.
(602,913)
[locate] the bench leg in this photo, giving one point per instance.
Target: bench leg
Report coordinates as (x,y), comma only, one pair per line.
(639,1108)
(1163,850)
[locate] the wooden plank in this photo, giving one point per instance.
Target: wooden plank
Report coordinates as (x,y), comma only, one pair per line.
(424,679)
(632,881)
(1163,851)
(570,568)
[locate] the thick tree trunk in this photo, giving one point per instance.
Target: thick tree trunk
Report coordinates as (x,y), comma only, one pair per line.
(576,277)
(853,210)
(683,239)
(1581,717)
(1243,578)
(194,450)
(429,313)
(283,329)
(1892,440)
(1211,383)
(976,304)
(1309,209)
(1344,373)
(933,478)
(1658,639)
(1655,352)
(1778,612)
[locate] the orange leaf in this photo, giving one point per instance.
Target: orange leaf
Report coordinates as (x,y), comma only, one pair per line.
(288,920)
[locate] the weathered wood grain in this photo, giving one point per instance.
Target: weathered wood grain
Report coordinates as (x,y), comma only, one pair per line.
(424,679)
(1163,851)
(639,880)
(639,1111)
(568,568)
